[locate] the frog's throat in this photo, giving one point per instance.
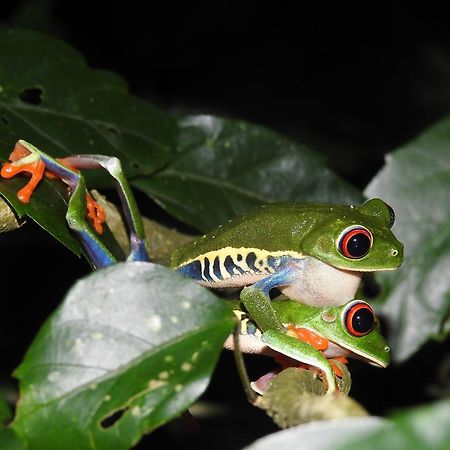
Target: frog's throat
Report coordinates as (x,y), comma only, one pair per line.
(319,284)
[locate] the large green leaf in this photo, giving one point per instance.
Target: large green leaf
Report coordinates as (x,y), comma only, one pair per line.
(8,440)
(5,413)
(420,428)
(131,347)
(415,181)
(49,97)
(226,166)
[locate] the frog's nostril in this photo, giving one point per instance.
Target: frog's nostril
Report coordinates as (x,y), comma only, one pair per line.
(394,252)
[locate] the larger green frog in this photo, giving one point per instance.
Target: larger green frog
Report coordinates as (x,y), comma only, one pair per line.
(313,253)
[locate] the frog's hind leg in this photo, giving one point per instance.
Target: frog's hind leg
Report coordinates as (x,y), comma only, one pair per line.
(132,216)
(256,298)
(27,158)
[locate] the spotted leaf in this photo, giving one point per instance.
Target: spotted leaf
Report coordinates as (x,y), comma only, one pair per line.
(131,347)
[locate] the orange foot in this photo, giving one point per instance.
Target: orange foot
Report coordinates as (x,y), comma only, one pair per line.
(37,170)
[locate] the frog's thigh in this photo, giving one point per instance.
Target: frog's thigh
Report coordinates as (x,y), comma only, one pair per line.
(288,271)
(257,301)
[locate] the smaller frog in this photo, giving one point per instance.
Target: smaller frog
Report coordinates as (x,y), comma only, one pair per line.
(313,253)
(27,158)
(317,335)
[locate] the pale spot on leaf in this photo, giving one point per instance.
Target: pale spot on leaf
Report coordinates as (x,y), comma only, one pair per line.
(154,322)
(155,384)
(97,336)
(136,411)
(53,376)
(186,367)
(79,347)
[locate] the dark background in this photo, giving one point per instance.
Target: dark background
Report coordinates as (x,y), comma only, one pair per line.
(351,84)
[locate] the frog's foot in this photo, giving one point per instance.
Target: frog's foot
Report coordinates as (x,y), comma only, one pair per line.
(23,160)
(336,367)
(96,213)
(310,337)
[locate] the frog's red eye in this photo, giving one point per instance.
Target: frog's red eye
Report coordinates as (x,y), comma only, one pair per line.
(359,318)
(355,242)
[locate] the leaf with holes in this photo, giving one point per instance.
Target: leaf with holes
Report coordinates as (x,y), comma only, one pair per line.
(131,347)
(49,97)
(416,298)
(225,166)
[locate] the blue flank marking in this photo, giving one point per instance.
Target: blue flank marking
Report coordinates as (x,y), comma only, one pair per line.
(192,270)
(206,273)
(229,265)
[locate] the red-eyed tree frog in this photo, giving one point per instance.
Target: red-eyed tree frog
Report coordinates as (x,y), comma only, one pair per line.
(316,336)
(313,253)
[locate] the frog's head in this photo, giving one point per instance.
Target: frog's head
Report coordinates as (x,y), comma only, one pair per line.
(353,330)
(356,238)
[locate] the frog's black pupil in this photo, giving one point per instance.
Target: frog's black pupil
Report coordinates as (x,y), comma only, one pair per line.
(362,320)
(358,245)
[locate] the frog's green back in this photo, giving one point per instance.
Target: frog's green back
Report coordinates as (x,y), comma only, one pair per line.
(304,229)
(272,227)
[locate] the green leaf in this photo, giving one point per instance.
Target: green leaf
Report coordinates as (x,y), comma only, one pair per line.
(131,347)
(421,428)
(48,209)
(226,166)
(5,412)
(8,440)
(322,435)
(415,181)
(49,97)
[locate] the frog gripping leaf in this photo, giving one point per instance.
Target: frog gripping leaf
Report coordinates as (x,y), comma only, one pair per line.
(315,337)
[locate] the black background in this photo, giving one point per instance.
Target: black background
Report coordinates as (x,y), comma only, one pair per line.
(352,84)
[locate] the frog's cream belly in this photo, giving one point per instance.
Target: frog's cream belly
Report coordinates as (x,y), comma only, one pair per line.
(301,278)
(318,284)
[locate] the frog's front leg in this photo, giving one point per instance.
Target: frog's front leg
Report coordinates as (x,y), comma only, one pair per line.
(302,352)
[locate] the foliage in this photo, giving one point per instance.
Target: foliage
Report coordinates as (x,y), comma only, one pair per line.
(98,366)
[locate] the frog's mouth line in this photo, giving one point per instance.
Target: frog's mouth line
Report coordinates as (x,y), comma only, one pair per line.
(335,350)
(260,385)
